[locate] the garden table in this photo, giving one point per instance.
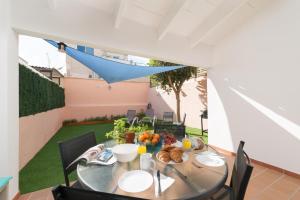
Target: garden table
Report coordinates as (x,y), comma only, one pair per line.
(192,181)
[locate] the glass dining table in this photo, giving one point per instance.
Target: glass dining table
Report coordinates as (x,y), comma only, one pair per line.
(192,179)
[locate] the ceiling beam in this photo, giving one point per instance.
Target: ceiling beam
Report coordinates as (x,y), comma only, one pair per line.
(52,4)
(170,18)
(120,12)
(221,13)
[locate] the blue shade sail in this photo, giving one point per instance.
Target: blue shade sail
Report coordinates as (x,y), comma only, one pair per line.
(112,71)
(89,50)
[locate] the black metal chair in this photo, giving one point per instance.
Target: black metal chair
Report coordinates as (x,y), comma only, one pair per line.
(67,193)
(204,115)
(241,173)
(177,130)
(72,149)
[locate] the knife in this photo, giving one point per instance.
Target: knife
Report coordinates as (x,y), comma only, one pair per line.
(158,178)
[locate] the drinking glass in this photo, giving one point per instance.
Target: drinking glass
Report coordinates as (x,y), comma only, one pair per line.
(142,149)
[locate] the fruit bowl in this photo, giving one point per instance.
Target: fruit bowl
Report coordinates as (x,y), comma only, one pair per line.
(148,139)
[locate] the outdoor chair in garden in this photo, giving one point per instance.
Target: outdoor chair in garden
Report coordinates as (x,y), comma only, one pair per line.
(72,149)
(168,116)
(149,118)
(241,173)
(131,114)
(67,193)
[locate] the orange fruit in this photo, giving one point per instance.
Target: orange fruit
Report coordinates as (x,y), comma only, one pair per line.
(146,135)
(156,136)
(154,141)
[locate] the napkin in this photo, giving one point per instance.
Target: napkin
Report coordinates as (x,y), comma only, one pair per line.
(165,182)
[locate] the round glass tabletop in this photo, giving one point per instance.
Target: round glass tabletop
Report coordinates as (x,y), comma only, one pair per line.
(192,179)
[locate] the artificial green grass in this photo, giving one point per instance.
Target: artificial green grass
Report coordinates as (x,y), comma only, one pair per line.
(45,169)
(197,132)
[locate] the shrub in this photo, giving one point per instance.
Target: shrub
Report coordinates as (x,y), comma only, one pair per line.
(37,94)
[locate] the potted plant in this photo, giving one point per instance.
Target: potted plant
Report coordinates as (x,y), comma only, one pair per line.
(118,133)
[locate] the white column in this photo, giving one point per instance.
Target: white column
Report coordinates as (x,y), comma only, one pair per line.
(9,102)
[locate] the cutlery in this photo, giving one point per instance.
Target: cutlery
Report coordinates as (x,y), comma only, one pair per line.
(158,178)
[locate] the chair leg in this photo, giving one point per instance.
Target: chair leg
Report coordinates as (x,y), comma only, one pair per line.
(201,125)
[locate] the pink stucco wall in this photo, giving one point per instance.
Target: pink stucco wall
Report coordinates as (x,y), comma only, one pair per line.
(193,100)
(87,98)
(35,131)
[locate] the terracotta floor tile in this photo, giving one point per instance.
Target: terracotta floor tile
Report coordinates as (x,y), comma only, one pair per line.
(266,178)
(296,196)
(285,185)
(257,169)
(41,194)
(24,196)
(270,194)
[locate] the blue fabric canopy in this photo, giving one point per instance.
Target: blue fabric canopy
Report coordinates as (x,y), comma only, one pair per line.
(112,71)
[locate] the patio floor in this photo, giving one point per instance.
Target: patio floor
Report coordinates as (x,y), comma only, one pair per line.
(265,184)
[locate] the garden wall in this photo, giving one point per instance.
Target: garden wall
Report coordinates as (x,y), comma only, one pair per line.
(35,131)
(193,100)
(86,98)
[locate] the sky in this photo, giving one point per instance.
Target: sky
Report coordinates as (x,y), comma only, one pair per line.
(38,52)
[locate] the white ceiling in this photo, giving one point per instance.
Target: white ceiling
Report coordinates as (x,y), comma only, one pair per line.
(175,30)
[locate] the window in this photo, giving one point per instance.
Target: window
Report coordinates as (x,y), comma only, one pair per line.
(85,49)
(81,48)
(89,50)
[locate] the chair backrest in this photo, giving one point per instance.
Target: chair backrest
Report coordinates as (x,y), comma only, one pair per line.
(67,193)
(241,173)
(183,121)
(149,113)
(72,149)
(204,115)
(130,115)
(168,116)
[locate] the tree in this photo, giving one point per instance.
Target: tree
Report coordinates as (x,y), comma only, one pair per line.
(172,80)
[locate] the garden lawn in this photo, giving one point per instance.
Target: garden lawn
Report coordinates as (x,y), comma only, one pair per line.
(197,132)
(45,169)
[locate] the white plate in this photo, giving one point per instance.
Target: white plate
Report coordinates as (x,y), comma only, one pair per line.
(177,144)
(135,181)
(185,157)
(210,160)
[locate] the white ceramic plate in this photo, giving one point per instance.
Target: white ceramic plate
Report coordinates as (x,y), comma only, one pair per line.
(135,181)
(185,158)
(210,160)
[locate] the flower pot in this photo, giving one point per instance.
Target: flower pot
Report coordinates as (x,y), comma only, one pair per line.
(129,137)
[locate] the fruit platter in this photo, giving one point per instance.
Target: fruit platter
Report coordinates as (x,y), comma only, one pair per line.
(153,141)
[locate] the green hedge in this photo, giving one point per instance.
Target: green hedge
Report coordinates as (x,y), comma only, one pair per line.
(37,94)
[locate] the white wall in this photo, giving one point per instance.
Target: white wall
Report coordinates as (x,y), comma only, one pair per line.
(9,101)
(253,87)
(192,101)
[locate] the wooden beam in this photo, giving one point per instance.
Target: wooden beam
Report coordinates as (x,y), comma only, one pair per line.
(170,18)
(120,12)
(221,13)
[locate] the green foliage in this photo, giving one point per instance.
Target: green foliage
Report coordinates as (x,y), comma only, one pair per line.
(69,121)
(104,118)
(118,133)
(116,117)
(141,114)
(139,128)
(37,94)
(174,79)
